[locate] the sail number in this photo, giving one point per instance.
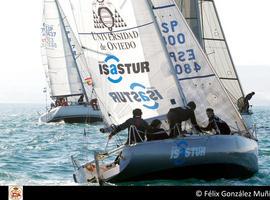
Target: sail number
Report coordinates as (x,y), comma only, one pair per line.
(183,57)
(185,60)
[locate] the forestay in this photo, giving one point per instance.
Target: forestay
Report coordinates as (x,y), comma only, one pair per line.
(195,73)
(60,68)
(129,63)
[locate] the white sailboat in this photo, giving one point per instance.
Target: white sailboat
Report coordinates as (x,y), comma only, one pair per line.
(202,17)
(67,75)
(136,69)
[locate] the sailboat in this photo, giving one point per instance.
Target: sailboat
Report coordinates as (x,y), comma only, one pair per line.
(203,19)
(68,77)
(139,47)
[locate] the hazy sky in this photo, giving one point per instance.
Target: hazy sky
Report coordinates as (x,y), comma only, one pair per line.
(245,22)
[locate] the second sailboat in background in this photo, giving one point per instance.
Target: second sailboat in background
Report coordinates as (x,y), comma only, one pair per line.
(66,70)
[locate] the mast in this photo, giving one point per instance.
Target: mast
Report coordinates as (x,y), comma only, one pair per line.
(198,19)
(75,61)
(191,10)
(151,7)
(200,10)
(241,88)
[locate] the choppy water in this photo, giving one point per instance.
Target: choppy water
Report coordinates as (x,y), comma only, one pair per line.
(39,154)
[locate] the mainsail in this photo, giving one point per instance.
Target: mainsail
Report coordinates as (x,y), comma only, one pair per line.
(195,73)
(63,58)
(213,41)
(129,63)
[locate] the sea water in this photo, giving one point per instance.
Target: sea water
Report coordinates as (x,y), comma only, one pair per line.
(32,153)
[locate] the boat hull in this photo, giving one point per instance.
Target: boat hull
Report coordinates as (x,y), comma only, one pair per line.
(72,114)
(207,157)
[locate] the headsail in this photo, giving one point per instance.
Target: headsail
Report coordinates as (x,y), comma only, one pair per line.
(214,43)
(195,73)
(130,66)
(59,46)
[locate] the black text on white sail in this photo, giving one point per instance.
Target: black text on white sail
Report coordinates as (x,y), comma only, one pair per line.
(129,64)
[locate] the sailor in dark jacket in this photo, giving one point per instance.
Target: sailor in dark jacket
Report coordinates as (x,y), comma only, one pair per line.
(246,102)
(137,121)
(180,114)
(215,123)
(156,132)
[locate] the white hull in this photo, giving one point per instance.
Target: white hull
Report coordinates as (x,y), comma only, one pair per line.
(71,114)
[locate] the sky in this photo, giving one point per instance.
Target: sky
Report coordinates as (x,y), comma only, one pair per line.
(22,78)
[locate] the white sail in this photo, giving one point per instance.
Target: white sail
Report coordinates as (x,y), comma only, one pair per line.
(129,64)
(79,56)
(195,73)
(191,11)
(58,61)
(217,50)
(213,41)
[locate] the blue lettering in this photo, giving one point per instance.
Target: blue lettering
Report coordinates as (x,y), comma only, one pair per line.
(143,96)
(113,70)
(197,67)
(136,96)
(173,56)
(165,41)
(165,28)
(148,96)
(178,69)
(181,146)
(181,38)
(173,25)
(181,56)
(188,69)
(171,40)
(191,54)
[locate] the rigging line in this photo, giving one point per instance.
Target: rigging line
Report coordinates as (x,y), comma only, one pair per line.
(92,50)
(122,30)
(101,102)
(231,95)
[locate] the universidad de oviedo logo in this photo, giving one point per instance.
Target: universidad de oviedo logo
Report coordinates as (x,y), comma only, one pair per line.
(106,16)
